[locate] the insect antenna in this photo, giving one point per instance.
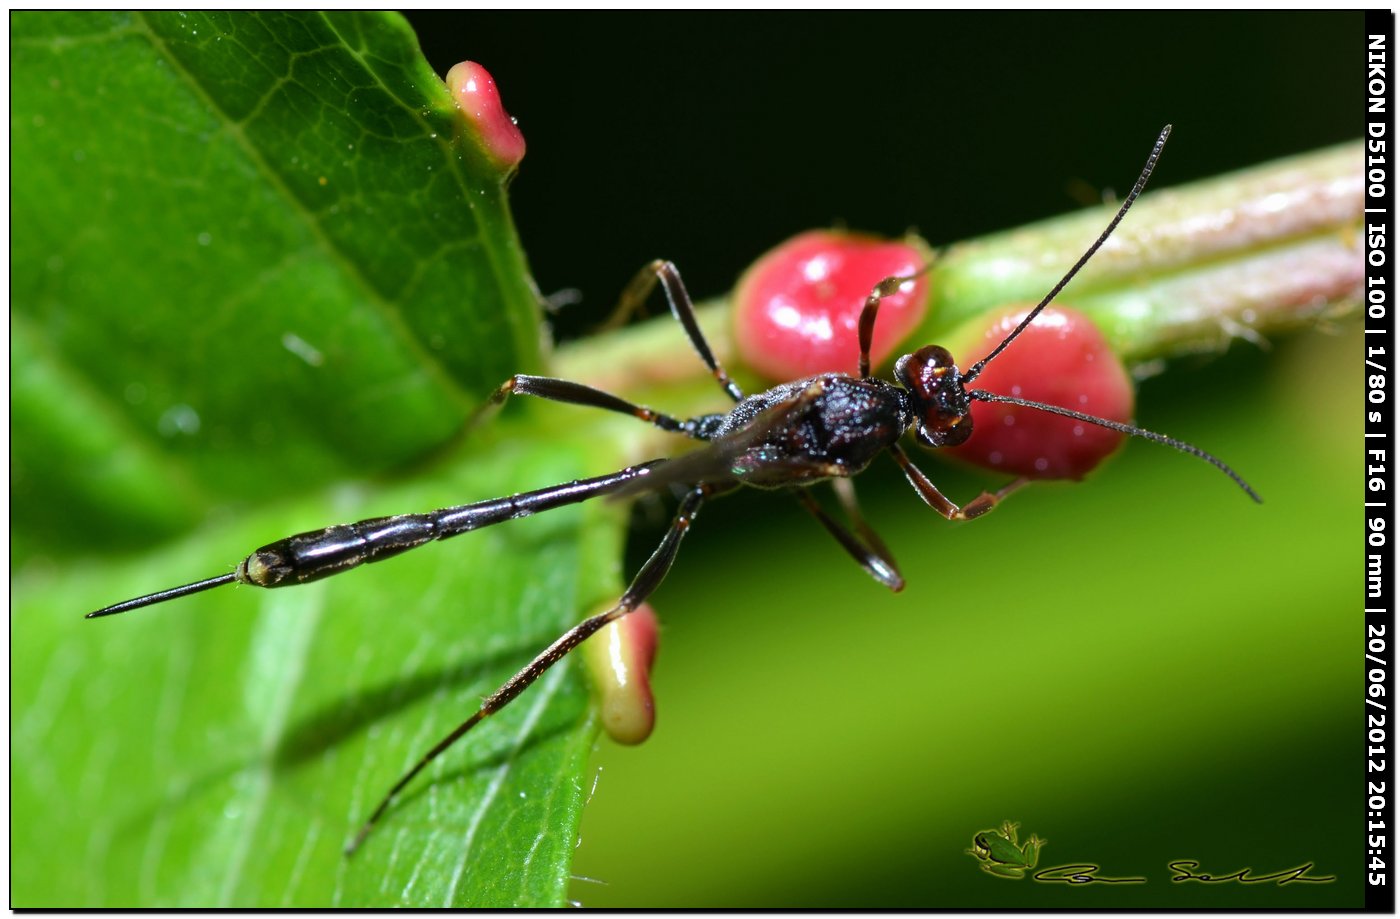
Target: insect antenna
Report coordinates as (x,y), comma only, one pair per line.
(973,371)
(982,395)
(162,596)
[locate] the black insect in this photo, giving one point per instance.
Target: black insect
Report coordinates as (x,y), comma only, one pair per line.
(826,427)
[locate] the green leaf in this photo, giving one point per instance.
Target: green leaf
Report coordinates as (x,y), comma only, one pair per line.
(258,260)
(252,247)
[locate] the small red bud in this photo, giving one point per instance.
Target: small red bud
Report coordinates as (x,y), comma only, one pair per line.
(797,307)
(476,95)
(619,659)
(1061,359)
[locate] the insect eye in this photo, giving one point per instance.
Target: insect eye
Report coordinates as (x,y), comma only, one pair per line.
(927,371)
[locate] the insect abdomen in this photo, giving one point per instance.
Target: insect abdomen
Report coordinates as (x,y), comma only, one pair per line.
(322,553)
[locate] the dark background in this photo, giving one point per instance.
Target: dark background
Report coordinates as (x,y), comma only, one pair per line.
(707,139)
(1140,668)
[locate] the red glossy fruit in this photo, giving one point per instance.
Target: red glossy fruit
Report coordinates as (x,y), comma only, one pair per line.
(796,308)
(1061,359)
(476,95)
(619,660)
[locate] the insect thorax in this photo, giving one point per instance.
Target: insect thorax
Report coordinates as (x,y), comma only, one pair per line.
(817,428)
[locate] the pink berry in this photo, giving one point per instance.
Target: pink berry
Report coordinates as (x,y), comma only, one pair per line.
(1061,359)
(619,659)
(796,308)
(476,95)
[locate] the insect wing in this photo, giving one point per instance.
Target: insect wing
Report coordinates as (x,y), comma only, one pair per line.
(728,458)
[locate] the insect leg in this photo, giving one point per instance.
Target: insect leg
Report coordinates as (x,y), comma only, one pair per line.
(684,311)
(870,553)
(579,394)
(846,493)
(866,326)
(646,581)
(935,499)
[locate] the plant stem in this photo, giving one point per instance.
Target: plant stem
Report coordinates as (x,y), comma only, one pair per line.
(1261,251)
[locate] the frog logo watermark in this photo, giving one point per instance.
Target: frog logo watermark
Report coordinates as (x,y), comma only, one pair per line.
(1002,855)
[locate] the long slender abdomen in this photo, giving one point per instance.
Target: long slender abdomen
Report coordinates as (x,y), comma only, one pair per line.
(321,553)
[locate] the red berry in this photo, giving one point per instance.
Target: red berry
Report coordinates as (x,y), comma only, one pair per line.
(796,308)
(1060,359)
(476,95)
(619,659)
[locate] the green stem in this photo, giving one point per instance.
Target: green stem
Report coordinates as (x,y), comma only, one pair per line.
(1261,251)
(1258,252)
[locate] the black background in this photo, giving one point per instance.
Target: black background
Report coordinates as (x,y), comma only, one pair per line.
(708,138)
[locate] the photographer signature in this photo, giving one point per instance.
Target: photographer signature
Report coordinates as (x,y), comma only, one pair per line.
(1181,871)
(1003,855)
